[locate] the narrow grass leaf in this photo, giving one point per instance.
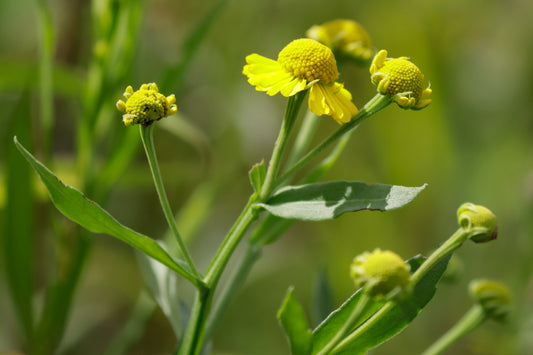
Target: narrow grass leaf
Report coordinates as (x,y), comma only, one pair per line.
(18,232)
(88,214)
(329,200)
(294,323)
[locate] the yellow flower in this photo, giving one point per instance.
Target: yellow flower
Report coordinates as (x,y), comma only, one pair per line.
(381,274)
(146,105)
(303,64)
(401,80)
(346,37)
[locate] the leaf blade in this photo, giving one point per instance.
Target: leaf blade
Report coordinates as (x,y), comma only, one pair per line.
(294,323)
(88,214)
(329,200)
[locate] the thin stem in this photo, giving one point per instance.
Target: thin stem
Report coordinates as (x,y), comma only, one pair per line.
(195,334)
(238,277)
(293,105)
(305,135)
(448,247)
(192,340)
(474,317)
(364,327)
(148,143)
(359,309)
(377,103)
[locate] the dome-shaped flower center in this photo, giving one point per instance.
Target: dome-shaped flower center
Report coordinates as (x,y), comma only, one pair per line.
(147,106)
(404,76)
(309,60)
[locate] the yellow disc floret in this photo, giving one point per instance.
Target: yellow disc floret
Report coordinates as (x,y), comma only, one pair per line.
(381,273)
(307,59)
(401,80)
(146,105)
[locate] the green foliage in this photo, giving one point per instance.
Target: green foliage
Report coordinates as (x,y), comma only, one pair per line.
(294,323)
(75,206)
(329,200)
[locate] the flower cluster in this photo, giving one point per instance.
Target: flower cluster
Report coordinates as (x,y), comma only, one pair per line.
(400,80)
(344,37)
(146,105)
(303,64)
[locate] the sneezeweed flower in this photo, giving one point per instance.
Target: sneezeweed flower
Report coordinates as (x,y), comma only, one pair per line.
(493,296)
(146,105)
(345,37)
(382,274)
(401,80)
(303,64)
(478,219)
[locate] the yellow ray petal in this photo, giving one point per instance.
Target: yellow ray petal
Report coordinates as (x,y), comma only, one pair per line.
(332,100)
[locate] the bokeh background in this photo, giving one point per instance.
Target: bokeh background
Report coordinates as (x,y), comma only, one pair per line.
(472,144)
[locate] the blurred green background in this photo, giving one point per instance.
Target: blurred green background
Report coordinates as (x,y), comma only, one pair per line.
(472,144)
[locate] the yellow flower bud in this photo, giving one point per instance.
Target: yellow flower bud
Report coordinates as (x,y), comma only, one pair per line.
(383,274)
(400,80)
(478,219)
(493,296)
(146,105)
(345,37)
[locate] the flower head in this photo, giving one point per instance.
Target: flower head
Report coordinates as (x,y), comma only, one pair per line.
(381,274)
(493,296)
(345,37)
(478,219)
(303,64)
(146,105)
(401,80)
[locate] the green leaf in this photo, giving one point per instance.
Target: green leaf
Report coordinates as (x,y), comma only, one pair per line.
(330,326)
(328,200)
(18,232)
(399,317)
(294,323)
(88,214)
(257,176)
(163,286)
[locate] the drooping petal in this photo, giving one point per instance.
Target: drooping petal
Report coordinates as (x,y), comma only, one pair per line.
(270,76)
(332,100)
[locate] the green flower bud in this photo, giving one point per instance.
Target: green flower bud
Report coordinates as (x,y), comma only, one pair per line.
(146,105)
(478,219)
(494,297)
(382,274)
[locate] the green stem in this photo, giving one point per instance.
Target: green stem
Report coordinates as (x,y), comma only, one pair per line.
(304,137)
(474,317)
(196,329)
(46,58)
(238,277)
(377,103)
(448,247)
(348,325)
(293,105)
(148,143)
(363,327)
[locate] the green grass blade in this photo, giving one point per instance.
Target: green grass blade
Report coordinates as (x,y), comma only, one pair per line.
(75,206)
(174,76)
(18,233)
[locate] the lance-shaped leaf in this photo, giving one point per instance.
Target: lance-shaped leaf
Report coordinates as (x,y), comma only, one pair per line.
(294,323)
(328,200)
(393,322)
(88,214)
